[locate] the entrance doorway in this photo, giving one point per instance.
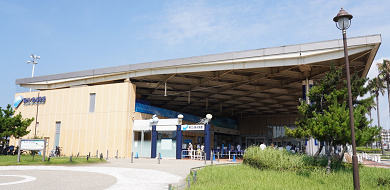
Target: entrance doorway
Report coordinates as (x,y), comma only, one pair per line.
(254,141)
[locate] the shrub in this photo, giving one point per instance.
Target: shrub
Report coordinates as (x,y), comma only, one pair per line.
(270,158)
(368,150)
(384,181)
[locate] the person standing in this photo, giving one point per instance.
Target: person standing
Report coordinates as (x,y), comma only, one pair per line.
(262,146)
(239,149)
(190,150)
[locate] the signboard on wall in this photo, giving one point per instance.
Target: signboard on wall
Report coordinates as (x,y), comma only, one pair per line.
(192,127)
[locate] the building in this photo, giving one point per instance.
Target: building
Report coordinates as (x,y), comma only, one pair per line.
(385,134)
(251,94)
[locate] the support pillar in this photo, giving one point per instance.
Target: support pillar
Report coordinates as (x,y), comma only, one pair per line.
(207,139)
(154,142)
(179,140)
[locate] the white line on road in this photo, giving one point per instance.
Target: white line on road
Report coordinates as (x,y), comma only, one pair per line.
(26,179)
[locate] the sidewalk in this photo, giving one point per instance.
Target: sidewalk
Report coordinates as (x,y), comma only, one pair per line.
(177,167)
(385,163)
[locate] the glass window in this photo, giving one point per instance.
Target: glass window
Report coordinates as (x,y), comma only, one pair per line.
(92,102)
(57,134)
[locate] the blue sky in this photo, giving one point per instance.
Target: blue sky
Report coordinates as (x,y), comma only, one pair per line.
(81,35)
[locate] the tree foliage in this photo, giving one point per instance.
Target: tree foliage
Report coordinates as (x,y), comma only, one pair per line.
(12,125)
(326,118)
(384,74)
(377,87)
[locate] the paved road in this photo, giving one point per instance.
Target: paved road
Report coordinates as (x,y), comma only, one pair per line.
(116,174)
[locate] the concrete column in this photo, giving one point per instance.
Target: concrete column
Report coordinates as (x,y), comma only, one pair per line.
(207,139)
(179,139)
(154,142)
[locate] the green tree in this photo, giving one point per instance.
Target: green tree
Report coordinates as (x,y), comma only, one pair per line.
(326,118)
(377,87)
(384,74)
(12,125)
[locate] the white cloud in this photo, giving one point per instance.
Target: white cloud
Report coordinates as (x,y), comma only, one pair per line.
(200,21)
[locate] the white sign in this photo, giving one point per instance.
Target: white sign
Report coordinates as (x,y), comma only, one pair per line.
(32,144)
(192,127)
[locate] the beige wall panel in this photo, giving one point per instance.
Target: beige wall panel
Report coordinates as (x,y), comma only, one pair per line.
(88,132)
(111,133)
(83,133)
(113,98)
(64,128)
(102,138)
(108,128)
(119,135)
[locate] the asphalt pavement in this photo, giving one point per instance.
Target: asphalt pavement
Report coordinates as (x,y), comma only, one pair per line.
(143,173)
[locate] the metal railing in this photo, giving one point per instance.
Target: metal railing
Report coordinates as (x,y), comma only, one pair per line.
(193,154)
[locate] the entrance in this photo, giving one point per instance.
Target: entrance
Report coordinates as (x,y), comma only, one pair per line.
(254,141)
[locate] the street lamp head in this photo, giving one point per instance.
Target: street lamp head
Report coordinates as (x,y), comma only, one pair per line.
(180,116)
(154,119)
(343,19)
(209,116)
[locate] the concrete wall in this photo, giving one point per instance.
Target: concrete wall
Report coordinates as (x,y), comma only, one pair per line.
(109,127)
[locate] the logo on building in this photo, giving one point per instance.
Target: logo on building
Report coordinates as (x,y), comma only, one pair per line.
(17,101)
(34,100)
(192,127)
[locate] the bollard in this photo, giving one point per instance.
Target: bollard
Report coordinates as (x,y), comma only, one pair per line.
(116,154)
(159,157)
(87,157)
(169,186)
(70,158)
(194,178)
(48,159)
(229,155)
(211,159)
(78,154)
(234,157)
(107,155)
(132,155)
(188,182)
(101,156)
(205,158)
(97,153)
(89,154)
(218,157)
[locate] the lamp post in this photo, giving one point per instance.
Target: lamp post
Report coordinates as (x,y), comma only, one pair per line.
(34,62)
(343,22)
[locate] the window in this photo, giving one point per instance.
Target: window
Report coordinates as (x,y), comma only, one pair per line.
(57,134)
(92,102)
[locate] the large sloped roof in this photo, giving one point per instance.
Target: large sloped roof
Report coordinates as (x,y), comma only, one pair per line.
(261,81)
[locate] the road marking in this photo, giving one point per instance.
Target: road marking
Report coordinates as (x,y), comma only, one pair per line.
(26,179)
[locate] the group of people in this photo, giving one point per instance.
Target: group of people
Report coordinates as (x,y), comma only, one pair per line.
(195,152)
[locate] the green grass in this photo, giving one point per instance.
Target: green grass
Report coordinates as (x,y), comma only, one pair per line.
(247,177)
(270,158)
(37,160)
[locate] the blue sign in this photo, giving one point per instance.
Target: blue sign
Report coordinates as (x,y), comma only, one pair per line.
(17,101)
(34,100)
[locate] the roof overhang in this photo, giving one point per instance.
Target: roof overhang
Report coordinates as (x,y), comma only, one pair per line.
(260,81)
